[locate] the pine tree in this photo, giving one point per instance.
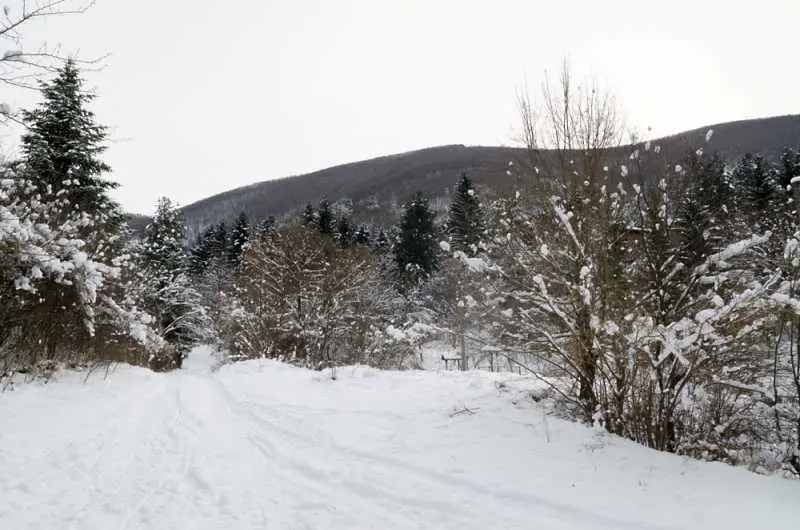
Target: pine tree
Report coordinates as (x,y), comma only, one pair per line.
(465,222)
(82,302)
(382,241)
(790,167)
(309,215)
(219,241)
(415,253)
(162,248)
(362,236)
(704,211)
(240,233)
(324,218)
(756,185)
(201,253)
(62,148)
(163,285)
(266,228)
(344,233)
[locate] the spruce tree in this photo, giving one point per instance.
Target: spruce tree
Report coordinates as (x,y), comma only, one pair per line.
(756,185)
(362,236)
(240,233)
(164,288)
(415,252)
(162,248)
(210,250)
(704,212)
(382,241)
(266,227)
(790,167)
(344,232)
(324,218)
(202,252)
(465,222)
(61,151)
(309,215)
(62,148)
(219,241)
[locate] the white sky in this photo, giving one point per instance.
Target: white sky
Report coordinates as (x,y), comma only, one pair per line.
(206,96)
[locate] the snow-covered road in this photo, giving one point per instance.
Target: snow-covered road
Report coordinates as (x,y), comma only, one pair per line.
(262,445)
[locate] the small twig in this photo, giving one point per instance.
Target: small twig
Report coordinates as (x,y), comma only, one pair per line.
(464,410)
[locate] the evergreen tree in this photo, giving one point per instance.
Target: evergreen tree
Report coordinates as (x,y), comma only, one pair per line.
(80,297)
(756,185)
(309,215)
(202,252)
(703,214)
(266,228)
(465,222)
(219,241)
(324,218)
(162,248)
(790,167)
(362,236)
(163,286)
(62,148)
(344,233)
(415,253)
(382,241)
(240,233)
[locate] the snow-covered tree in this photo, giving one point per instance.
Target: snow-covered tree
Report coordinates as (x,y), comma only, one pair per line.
(416,248)
(465,220)
(163,285)
(65,239)
(309,215)
(344,231)
(362,236)
(324,218)
(62,148)
(789,167)
(756,186)
(303,298)
(240,233)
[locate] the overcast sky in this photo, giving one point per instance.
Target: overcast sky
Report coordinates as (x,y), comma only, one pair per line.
(204,96)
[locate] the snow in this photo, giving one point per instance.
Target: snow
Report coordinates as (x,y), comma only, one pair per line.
(265,445)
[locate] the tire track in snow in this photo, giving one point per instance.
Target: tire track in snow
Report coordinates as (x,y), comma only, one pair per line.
(379,483)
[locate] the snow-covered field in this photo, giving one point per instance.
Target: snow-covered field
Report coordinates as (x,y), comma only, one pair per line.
(263,445)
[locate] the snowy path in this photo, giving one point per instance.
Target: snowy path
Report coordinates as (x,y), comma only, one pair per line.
(262,445)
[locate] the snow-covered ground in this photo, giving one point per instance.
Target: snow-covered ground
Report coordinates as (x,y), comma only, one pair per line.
(263,445)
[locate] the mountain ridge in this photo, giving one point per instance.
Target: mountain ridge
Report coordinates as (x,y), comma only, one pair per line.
(373,190)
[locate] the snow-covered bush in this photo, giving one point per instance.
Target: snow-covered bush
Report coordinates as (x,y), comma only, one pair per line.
(57,288)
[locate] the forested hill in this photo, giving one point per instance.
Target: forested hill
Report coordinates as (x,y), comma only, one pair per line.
(375,188)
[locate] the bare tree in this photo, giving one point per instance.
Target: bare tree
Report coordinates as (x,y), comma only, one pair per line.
(564,270)
(23,65)
(570,126)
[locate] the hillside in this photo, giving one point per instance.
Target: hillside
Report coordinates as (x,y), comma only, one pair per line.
(262,444)
(377,187)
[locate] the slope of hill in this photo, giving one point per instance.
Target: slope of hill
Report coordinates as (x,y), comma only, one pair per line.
(376,188)
(265,445)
